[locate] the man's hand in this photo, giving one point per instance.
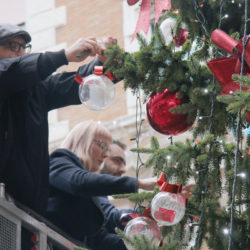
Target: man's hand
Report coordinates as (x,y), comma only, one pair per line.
(187,190)
(88,45)
(103,43)
(147,184)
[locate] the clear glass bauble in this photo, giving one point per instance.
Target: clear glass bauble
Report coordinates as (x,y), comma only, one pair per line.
(142,226)
(168,208)
(97,92)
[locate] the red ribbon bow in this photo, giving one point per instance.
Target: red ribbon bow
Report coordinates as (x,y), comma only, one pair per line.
(223,68)
(144,16)
(98,70)
(171,188)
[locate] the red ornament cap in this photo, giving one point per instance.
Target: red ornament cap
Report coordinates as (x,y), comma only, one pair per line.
(98,70)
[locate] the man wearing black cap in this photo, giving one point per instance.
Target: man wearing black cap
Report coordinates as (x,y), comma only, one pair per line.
(28,90)
(14,38)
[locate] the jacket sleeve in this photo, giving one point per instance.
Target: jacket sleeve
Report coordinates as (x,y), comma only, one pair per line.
(62,89)
(66,176)
(112,215)
(20,73)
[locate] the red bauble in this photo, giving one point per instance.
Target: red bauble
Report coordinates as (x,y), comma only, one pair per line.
(248,116)
(181,37)
(159,116)
(132,2)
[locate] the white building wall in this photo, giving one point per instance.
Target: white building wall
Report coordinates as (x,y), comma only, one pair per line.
(42,19)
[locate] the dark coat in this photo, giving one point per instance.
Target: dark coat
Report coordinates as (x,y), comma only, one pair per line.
(27,92)
(112,214)
(73,205)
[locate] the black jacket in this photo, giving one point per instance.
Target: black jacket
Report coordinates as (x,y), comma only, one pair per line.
(27,92)
(112,214)
(73,202)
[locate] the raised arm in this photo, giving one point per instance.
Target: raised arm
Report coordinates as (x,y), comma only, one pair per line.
(67,175)
(20,73)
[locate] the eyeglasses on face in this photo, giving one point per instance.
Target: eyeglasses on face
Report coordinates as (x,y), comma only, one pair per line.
(16,46)
(102,145)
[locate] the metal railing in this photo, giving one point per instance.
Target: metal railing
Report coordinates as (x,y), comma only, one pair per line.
(13,220)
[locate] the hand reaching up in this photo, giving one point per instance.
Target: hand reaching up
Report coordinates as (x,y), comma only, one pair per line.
(103,43)
(83,48)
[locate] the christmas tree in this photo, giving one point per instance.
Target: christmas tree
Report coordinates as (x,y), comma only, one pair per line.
(198,81)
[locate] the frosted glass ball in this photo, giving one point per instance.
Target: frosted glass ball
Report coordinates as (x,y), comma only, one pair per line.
(97,92)
(167,208)
(143,226)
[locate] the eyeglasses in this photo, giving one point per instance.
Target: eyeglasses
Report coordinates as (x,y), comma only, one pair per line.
(102,145)
(16,46)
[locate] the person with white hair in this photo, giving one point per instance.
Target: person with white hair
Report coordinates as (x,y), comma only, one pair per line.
(74,205)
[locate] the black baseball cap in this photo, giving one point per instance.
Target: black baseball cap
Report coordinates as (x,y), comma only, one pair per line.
(8,31)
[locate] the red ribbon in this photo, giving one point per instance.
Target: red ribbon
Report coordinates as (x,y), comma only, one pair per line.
(171,188)
(161,5)
(223,68)
(98,70)
(144,16)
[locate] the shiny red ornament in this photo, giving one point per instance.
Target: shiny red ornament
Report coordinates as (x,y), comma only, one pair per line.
(159,116)
(248,116)
(132,2)
(181,37)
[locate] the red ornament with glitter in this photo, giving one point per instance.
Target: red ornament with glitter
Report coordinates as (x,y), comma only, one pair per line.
(160,117)
(181,37)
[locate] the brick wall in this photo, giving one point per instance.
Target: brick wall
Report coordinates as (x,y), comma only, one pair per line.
(95,18)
